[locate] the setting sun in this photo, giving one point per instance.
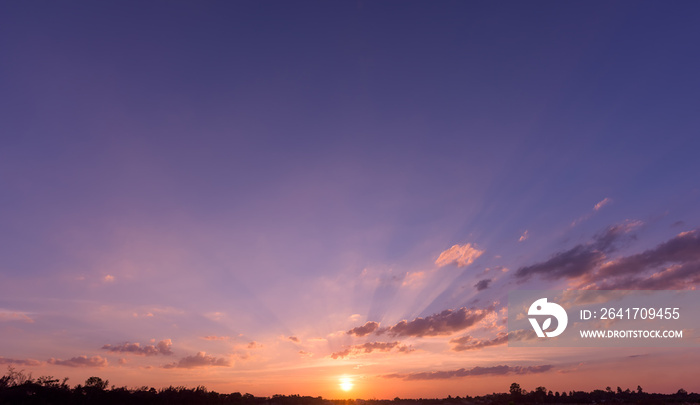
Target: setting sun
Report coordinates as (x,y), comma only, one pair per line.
(346,383)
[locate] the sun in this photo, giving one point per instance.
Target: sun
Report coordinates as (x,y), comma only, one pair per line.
(346,383)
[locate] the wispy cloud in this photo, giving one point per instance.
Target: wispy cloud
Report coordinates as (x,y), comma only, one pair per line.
(370,347)
(476,371)
(683,248)
(443,323)
(524,236)
(470,343)
(580,259)
(413,278)
(674,264)
(461,255)
(201,359)
(8,315)
(602,203)
(605,201)
(81,361)
(19,362)
(163,347)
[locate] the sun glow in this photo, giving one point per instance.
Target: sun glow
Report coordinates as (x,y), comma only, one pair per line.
(346,383)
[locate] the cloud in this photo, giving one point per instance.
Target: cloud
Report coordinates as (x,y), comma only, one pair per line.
(524,236)
(482,284)
(413,278)
(163,347)
(6,316)
(213,337)
(470,343)
(81,361)
(683,248)
(605,201)
(601,204)
(672,265)
(571,369)
(109,278)
(364,330)
(20,362)
(476,371)
(201,359)
(444,323)
(370,347)
(462,255)
(677,277)
(579,260)
(293,339)
(254,345)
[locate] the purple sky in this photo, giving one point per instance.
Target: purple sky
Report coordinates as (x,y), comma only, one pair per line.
(222,176)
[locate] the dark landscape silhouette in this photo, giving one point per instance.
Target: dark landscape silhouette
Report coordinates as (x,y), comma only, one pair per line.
(18,387)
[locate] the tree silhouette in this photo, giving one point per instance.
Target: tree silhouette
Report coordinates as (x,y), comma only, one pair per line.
(96,383)
(515,390)
(17,387)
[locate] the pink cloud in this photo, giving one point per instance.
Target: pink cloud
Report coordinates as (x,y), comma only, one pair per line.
(163,347)
(364,330)
(81,361)
(216,337)
(461,255)
(524,236)
(15,316)
(201,359)
(20,362)
(371,347)
(602,203)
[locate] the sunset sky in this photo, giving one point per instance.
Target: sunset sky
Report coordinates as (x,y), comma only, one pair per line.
(334,198)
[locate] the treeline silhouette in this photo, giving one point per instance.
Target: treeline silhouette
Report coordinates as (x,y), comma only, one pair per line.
(17,387)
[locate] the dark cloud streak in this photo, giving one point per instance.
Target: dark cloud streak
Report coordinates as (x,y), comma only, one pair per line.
(364,330)
(683,248)
(163,347)
(443,323)
(579,260)
(476,371)
(80,361)
(470,343)
(20,362)
(370,347)
(201,359)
